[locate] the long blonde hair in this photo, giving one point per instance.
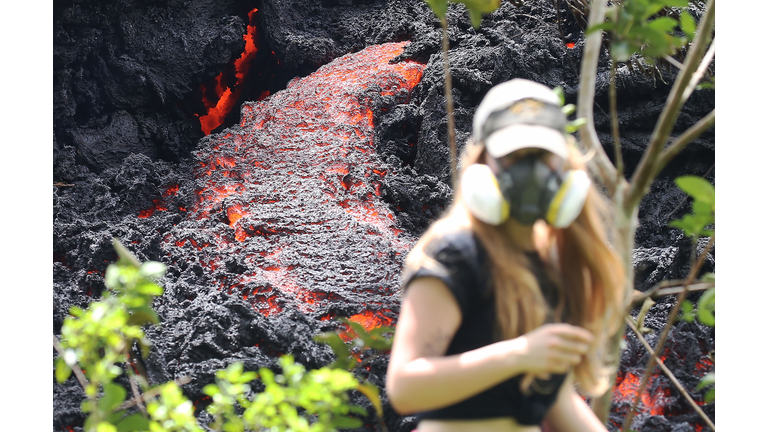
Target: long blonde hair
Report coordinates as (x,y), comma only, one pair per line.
(587,272)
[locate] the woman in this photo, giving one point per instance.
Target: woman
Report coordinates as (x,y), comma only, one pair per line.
(510,297)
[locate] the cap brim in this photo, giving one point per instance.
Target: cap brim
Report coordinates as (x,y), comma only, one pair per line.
(521,136)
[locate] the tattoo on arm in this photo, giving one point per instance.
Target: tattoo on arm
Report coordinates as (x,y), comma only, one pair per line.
(436,344)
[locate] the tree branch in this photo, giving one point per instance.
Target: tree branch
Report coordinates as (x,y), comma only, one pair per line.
(643,175)
(658,291)
(75,369)
(449,106)
(149,394)
(684,139)
(615,123)
(671,376)
(602,166)
(663,337)
(700,71)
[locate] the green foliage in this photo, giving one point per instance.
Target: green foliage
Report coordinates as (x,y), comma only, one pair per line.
(172,411)
(706,381)
(347,353)
(634,29)
(476,8)
(99,338)
(703,194)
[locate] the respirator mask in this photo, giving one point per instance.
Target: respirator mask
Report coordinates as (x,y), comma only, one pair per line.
(516,115)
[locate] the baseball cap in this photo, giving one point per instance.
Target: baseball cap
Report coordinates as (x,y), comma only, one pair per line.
(520,114)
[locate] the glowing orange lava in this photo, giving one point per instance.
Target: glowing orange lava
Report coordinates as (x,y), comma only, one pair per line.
(301,165)
(226,96)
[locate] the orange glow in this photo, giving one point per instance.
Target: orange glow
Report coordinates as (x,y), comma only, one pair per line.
(317,137)
(370,320)
(159,204)
(227,97)
(570,45)
(626,389)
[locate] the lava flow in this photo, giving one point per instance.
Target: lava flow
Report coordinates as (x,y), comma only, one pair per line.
(289,211)
(227,95)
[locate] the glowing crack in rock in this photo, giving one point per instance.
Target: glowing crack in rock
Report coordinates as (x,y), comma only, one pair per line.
(289,211)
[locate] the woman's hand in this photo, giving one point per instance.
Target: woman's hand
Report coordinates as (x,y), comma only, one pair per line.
(550,349)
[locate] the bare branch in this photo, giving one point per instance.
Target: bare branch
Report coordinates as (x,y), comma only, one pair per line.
(671,290)
(671,376)
(671,60)
(602,166)
(75,369)
(615,123)
(700,71)
(663,337)
(449,106)
(684,139)
(643,175)
(149,394)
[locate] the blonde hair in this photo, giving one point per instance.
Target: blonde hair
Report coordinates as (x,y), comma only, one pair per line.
(588,273)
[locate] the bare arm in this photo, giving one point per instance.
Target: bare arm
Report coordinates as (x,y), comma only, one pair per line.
(421,378)
(571,414)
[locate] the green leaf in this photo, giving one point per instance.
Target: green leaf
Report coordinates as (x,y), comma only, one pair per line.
(677,3)
(114,395)
(698,188)
(560,96)
(337,345)
(112,277)
(621,51)
(608,25)
(708,277)
(149,289)
(135,422)
(62,370)
(706,309)
(687,309)
(706,380)
(569,109)
(664,24)
(152,270)
(709,396)
(143,315)
(125,255)
(687,24)
(346,423)
(439,7)
(105,427)
(371,392)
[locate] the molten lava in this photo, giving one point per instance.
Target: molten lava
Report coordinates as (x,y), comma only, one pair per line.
(227,96)
(298,183)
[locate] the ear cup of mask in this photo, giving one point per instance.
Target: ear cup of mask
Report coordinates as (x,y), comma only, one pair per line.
(569,200)
(480,193)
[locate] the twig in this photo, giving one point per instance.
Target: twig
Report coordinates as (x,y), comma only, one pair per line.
(643,175)
(603,168)
(658,292)
(449,105)
(615,123)
(671,376)
(673,61)
(78,373)
(686,137)
(62,184)
(663,337)
(137,395)
(149,394)
(684,199)
(703,66)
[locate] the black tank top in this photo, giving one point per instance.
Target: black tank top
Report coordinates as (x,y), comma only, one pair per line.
(464,267)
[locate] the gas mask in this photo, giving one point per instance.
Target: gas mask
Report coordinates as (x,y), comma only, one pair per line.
(527,190)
